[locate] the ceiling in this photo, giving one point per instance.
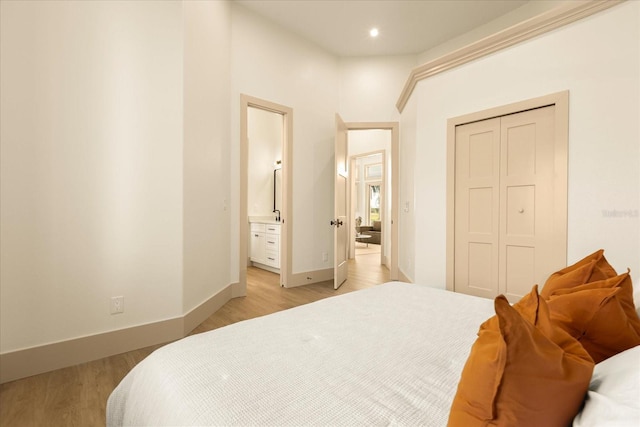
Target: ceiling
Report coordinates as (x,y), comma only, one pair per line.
(406,26)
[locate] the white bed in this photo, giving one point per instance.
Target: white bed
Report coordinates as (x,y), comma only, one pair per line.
(389,355)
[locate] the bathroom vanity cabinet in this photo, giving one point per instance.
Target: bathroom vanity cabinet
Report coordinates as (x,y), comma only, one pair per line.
(265,245)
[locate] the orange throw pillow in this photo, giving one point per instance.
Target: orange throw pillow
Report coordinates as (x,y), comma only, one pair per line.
(602,270)
(527,307)
(567,279)
(590,268)
(601,315)
(521,373)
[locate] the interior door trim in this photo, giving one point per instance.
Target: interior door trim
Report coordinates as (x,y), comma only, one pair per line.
(561,102)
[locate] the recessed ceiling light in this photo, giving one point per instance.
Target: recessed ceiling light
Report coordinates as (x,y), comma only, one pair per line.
(374,32)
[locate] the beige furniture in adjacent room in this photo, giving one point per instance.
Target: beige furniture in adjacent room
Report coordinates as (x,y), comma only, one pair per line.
(374,230)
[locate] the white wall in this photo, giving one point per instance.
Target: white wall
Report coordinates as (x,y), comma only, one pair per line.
(91,167)
(277,66)
(207,132)
(407,189)
(370,87)
(597,60)
(265,148)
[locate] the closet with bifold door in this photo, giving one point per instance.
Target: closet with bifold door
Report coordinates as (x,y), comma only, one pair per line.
(509,202)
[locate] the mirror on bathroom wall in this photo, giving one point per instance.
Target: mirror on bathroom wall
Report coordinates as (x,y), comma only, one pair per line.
(264,192)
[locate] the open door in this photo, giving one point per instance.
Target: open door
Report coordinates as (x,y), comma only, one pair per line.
(340,223)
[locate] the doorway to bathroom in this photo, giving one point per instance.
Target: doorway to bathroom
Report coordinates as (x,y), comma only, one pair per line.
(265,188)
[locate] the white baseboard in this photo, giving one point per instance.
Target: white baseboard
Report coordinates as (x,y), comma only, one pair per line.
(24,363)
(200,313)
(403,277)
(265,267)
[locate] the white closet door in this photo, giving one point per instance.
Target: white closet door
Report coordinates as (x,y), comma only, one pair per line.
(504,204)
(526,200)
(477,208)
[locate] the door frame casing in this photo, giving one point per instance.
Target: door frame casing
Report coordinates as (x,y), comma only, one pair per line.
(561,102)
(394,127)
(286,237)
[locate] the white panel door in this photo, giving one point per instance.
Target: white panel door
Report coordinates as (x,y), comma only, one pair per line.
(340,224)
(526,201)
(476,208)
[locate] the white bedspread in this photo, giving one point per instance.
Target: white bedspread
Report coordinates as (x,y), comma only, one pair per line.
(388,355)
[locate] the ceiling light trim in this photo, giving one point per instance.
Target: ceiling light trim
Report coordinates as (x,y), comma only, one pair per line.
(564,14)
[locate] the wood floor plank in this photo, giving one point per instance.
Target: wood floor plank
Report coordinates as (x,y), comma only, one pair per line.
(77,396)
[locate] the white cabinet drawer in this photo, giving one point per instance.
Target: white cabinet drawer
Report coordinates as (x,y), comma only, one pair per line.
(272,242)
(272,228)
(272,259)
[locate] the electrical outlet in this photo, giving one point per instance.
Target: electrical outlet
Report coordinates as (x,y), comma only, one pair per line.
(325,257)
(117,305)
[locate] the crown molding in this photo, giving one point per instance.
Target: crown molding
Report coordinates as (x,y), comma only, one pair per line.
(564,14)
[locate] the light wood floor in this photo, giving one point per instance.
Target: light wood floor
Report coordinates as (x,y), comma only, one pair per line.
(77,396)
(367,248)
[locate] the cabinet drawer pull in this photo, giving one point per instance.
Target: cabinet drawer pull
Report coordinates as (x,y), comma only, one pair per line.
(271,241)
(272,259)
(257,235)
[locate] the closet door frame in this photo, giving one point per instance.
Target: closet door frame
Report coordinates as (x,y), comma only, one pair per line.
(561,102)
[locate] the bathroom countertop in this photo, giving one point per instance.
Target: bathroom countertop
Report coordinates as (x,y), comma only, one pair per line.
(263,219)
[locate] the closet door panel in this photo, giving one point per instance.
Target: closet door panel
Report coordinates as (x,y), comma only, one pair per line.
(521,200)
(480,268)
(476,208)
(526,200)
(520,274)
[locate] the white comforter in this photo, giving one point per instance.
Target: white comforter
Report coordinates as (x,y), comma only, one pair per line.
(389,355)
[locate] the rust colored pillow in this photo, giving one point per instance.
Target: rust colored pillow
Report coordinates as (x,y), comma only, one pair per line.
(527,307)
(567,279)
(521,373)
(601,315)
(590,268)
(602,270)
